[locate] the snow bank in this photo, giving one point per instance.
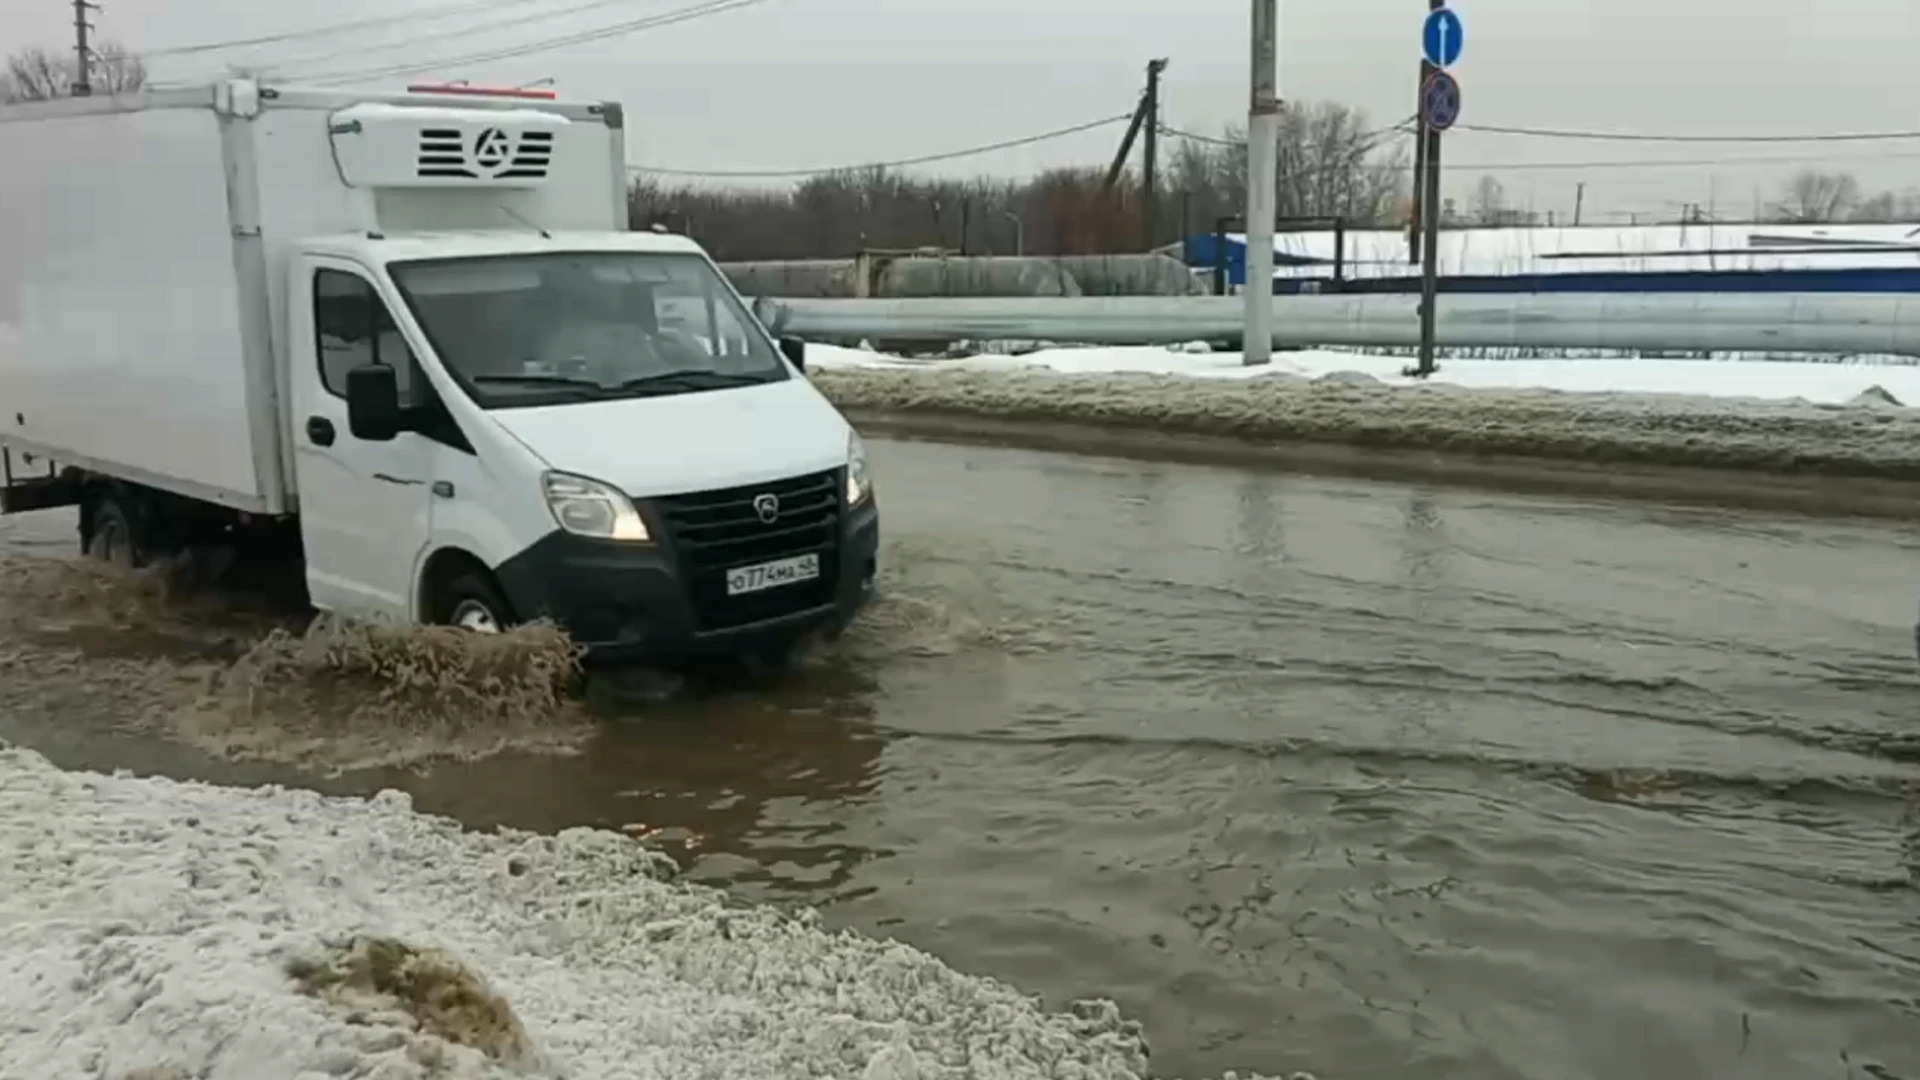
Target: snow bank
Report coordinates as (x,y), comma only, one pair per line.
(160,930)
(1352,407)
(1773,380)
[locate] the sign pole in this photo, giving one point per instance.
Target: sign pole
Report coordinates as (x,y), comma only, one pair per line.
(1416,234)
(1429,253)
(1442,37)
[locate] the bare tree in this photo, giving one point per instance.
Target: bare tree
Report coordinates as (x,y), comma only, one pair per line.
(1888,207)
(40,75)
(1812,196)
(1330,164)
(1488,205)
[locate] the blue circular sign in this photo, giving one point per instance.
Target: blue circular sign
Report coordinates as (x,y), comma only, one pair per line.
(1442,37)
(1440,101)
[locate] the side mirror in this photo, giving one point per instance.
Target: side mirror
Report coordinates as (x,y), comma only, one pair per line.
(373,403)
(795,351)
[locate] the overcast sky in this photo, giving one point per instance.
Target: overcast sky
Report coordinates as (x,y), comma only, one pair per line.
(804,83)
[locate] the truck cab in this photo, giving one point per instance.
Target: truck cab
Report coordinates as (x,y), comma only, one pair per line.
(589,427)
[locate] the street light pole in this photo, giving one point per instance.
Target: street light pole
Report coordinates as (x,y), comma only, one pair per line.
(1263,136)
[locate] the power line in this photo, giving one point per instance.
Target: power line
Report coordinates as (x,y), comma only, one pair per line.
(678,15)
(1365,140)
(1529,166)
(1671,163)
(1621,136)
(1330,167)
(464,31)
(925,159)
(332,29)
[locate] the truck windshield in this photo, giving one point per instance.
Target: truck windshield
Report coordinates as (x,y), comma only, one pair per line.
(524,330)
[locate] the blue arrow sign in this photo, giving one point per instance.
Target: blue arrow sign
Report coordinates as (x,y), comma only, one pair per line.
(1442,38)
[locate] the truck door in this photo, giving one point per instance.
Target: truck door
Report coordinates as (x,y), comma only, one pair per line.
(364,514)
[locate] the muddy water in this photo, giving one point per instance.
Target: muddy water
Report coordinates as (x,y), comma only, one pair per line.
(1378,781)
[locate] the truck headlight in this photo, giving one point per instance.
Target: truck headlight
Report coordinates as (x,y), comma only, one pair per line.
(586,507)
(859,485)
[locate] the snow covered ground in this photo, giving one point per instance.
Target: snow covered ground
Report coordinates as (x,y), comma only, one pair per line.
(1773,380)
(154,930)
(1760,416)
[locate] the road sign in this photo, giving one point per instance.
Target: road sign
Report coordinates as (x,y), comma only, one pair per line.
(1440,101)
(1442,38)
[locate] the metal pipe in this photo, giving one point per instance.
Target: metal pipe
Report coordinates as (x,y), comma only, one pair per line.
(1877,323)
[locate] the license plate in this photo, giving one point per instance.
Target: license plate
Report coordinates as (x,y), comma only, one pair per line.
(772,575)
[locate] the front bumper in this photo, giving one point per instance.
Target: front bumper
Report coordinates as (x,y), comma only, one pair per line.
(628,603)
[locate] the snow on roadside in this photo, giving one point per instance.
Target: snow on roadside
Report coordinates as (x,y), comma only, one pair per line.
(1770,380)
(156,930)
(1865,435)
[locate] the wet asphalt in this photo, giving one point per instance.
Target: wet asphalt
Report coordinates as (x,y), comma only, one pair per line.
(1382,781)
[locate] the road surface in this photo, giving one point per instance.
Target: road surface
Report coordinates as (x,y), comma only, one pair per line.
(1386,782)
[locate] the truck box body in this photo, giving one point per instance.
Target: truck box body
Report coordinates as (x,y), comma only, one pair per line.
(142,241)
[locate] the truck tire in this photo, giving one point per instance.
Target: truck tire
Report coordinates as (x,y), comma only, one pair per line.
(113,537)
(473,602)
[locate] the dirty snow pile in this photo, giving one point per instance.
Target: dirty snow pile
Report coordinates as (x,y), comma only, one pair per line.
(1674,418)
(155,930)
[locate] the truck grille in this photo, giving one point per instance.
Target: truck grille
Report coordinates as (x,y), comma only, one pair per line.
(715,531)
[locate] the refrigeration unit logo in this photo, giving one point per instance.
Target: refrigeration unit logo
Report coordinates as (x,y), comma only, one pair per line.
(767,508)
(492,153)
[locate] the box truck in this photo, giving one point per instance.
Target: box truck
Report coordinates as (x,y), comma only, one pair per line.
(410,339)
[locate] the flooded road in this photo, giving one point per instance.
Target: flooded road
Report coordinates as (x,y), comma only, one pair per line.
(1388,783)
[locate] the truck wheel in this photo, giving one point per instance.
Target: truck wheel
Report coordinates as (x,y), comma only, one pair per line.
(472,602)
(112,538)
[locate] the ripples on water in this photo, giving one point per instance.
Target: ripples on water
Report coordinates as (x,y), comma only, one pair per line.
(1376,781)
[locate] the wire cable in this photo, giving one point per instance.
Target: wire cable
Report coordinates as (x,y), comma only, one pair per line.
(545,13)
(669,18)
(1532,166)
(900,163)
(1622,136)
(1331,167)
(1370,139)
(333,29)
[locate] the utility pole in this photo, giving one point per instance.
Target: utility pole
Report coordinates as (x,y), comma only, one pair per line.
(82,49)
(1150,167)
(1263,136)
(1416,235)
(1579,200)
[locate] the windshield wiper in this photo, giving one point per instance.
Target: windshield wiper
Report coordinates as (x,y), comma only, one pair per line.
(690,379)
(538,380)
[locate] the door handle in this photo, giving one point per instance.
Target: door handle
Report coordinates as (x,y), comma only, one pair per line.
(320,430)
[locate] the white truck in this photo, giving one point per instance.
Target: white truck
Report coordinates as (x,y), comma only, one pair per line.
(409,339)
